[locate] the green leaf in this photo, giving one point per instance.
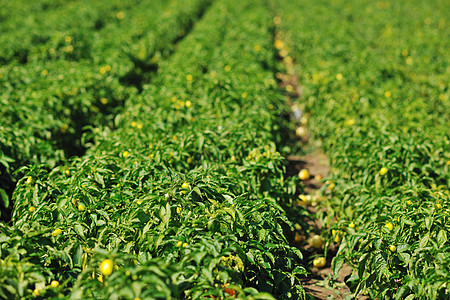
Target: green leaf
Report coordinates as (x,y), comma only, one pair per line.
(337,263)
(4,198)
(424,241)
(442,238)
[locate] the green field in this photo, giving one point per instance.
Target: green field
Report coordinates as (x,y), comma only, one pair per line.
(144,148)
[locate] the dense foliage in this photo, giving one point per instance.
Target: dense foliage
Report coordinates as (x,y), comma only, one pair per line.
(142,143)
(375,78)
(184,192)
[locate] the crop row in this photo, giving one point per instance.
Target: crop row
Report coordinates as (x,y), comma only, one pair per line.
(375,83)
(56,97)
(185,196)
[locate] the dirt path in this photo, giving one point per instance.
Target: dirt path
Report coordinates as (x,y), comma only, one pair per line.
(320,283)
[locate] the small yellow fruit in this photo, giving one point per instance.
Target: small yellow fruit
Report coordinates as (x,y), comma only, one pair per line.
(179,243)
(125,154)
(303,174)
(331,186)
(301,131)
(409,202)
(29,180)
(57,232)
(389,226)
(350,122)
(179,210)
(438,206)
(278,44)
(185,245)
(319,262)
(316,242)
(337,235)
(120,15)
(107,267)
(81,207)
(392,248)
(306,199)
(36,292)
(185,186)
(289,88)
(31,209)
(100,278)
(54,284)
(351,225)
(304,120)
(383,171)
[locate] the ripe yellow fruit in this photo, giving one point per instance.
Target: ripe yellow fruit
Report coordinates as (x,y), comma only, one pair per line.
(185,245)
(179,210)
(306,199)
(383,171)
(179,243)
(36,292)
(278,44)
(303,174)
(301,131)
(81,207)
(337,235)
(54,284)
(319,262)
(350,122)
(389,226)
(125,154)
(107,267)
(31,209)
(120,15)
(351,225)
(29,180)
(316,242)
(392,248)
(185,186)
(409,202)
(438,206)
(57,232)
